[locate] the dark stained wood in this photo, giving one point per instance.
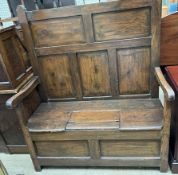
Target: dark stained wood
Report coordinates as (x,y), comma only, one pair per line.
(21,112)
(97,115)
(169,41)
(16,90)
(85,31)
(121,44)
(109,26)
(10,128)
(70,148)
(14,101)
(104,162)
(75,75)
(99,51)
(29,106)
(165,136)
(19,68)
(101,135)
(112,55)
(94,72)
(94,148)
(174,167)
(141,119)
(98,120)
(18,149)
(168,91)
(169,96)
(57,32)
(57,79)
(13,57)
(40,122)
(3,77)
(15,72)
(133,71)
(28,39)
(171,75)
(130,148)
(88,27)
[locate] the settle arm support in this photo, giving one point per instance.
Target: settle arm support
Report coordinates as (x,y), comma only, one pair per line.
(14,101)
(169,96)
(168,91)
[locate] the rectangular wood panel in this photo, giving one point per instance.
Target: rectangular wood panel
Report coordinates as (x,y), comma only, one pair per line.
(14,57)
(57,77)
(94,72)
(134,70)
(3,76)
(148,119)
(59,31)
(126,148)
(122,25)
(22,52)
(94,119)
(62,148)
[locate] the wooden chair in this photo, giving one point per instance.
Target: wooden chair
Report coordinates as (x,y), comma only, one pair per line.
(15,72)
(98,102)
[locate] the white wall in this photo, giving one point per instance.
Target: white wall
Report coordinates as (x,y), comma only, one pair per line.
(5,12)
(82,2)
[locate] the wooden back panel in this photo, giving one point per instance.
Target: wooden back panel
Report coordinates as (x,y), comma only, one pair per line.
(106,50)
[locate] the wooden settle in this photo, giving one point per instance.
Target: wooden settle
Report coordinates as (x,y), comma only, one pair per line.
(94,69)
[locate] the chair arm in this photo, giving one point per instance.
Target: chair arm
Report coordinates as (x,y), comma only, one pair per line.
(14,101)
(168,91)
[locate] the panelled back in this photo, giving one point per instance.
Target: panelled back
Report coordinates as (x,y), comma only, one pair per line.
(14,62)
(106,50)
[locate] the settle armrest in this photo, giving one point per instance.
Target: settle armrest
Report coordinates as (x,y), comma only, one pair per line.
(168,91)
(24,92)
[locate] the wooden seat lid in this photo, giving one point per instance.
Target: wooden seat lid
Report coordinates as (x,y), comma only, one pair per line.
(131,114)
(94,119)
(48,121)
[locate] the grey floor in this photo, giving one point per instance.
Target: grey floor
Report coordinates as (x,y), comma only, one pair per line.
(22,165)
